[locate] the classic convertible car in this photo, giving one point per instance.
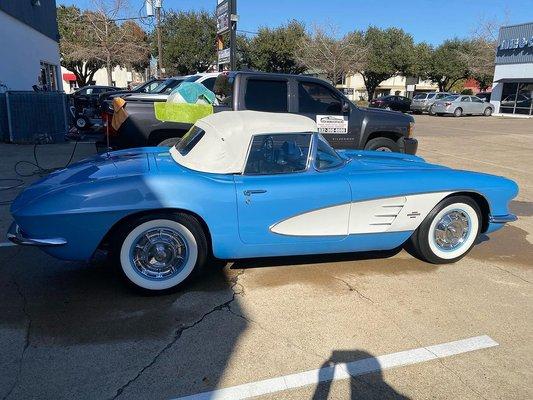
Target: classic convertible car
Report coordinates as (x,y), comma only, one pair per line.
(250,184)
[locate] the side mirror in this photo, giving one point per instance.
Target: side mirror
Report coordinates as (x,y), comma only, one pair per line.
(345,107)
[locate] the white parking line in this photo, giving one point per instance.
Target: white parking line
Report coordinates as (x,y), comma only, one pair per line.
(346,370)
(7,244)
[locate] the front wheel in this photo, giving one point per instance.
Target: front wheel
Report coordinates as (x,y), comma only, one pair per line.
(159,252)
(448,232)
(383,144)
(487,112)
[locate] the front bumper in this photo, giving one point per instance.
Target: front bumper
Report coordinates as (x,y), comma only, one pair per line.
(408,145)
(15,235)
(419,107)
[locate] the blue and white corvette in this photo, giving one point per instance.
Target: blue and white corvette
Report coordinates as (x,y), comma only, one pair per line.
(249,184)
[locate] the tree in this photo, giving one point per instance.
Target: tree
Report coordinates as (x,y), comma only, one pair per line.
(389,52)
(447,65)
(114,44)
(323,52)
(73,46)
(92,39)
(273,50)
(480,53)
(188,40)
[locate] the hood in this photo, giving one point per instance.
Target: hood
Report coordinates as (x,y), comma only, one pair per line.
(91,170)
(380,160)
(381,111)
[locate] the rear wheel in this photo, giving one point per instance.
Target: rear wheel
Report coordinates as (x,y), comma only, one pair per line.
(382,144)
(161,251)
(82,122)
(448,232)
(458,112)
(487,112)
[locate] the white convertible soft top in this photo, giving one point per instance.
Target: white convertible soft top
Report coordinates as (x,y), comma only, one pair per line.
(226,140)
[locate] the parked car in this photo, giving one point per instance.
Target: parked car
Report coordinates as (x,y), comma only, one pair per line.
(344,124)
(458,105)
(395,103)
(485,96)
(423,102)
(251,184)
(149,86)
(85,103)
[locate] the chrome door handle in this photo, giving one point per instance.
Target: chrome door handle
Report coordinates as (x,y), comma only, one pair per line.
(253,191)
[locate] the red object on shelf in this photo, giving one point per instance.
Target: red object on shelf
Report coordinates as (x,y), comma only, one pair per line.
(67,76)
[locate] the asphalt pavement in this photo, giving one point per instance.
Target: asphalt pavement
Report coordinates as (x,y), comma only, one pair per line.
(373,325)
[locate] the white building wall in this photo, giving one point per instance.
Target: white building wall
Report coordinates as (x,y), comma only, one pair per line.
(21,51)
(121,77)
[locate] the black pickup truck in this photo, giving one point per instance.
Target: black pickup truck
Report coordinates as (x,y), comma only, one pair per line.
(344,124)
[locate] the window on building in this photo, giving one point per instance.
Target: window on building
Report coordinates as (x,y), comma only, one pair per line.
(517,98)
(48,77)
(266,95)
(278,154)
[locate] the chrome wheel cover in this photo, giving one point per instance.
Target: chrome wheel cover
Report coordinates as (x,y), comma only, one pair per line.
(383,148)
(159,253)
(452,230)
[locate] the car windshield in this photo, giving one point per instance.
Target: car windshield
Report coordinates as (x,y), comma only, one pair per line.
(451,98)
(420,96)
(189,140)
(166,86)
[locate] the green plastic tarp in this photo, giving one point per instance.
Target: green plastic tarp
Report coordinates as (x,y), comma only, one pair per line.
(181,112)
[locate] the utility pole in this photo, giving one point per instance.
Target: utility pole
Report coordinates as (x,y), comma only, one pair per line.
(158,4)
(226,14)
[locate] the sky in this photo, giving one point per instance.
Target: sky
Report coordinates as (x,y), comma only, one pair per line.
(427,20)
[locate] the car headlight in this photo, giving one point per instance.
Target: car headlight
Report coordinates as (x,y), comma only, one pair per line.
(411,129)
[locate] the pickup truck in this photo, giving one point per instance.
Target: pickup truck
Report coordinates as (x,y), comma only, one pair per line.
(342,123)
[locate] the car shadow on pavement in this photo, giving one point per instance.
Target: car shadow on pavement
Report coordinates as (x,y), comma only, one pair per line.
(366,378)
(69,329)
(522,208)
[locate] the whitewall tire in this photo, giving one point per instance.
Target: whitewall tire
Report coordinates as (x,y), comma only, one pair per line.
(160,252)
(449,231)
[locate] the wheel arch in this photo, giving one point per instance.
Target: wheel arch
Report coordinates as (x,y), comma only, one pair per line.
(108,237)
(482,203)
(386,134)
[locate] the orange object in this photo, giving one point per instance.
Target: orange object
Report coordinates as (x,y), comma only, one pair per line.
(120,115)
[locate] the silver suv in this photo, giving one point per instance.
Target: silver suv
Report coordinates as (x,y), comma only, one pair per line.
(425,101)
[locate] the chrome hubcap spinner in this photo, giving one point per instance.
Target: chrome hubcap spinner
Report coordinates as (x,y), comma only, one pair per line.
(159,253)
(452,230)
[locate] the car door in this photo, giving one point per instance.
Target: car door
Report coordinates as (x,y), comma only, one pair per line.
(477,105)
(281,199)
(342,128)
(466,104)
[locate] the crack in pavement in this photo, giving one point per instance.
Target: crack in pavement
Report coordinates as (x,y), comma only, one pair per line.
(511,273)
(352,288)
(456,374)
(179,333)
(276,335)
(26,338)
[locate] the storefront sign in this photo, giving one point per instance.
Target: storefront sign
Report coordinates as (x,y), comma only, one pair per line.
(516,43)
(223,17)
(224,56)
